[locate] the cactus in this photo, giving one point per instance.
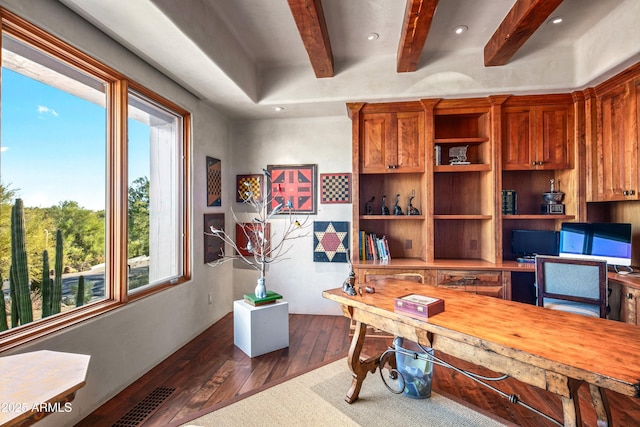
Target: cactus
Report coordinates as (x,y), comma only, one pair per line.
(3,309)
(12,294)
(80,294)
(20,271)
(46,285)
(56,295)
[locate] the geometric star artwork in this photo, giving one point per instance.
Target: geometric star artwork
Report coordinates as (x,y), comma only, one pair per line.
(330,241)
(335,188)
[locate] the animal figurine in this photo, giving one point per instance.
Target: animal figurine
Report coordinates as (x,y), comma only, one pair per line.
(410,209)
(368,208)
(385,209)
(397,210)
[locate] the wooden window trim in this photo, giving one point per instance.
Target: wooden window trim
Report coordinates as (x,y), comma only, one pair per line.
(116,286)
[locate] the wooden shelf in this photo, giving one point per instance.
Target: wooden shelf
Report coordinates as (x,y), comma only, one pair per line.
(458,217)
(462,168)
(455,141)
(393,217)
(538,216)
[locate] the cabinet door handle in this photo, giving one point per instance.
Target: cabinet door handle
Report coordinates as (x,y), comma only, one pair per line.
(629,295)
(632,192)
(625,193)
(534,163)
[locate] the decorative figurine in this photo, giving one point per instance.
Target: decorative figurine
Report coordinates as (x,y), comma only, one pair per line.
(385,209)
(397,210)
(410,209)
(348,287)
(368,208)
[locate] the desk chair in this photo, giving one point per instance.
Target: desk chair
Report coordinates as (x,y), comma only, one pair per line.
(574,285)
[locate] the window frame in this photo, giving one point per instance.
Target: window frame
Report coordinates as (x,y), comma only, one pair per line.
(116,280)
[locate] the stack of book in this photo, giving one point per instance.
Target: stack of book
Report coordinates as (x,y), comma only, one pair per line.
(373,247)
(255,301)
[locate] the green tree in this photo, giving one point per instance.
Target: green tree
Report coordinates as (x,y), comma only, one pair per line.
(83,231)
(139,218)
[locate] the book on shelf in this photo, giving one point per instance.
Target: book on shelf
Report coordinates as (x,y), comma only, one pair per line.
(419,305)
(509,202)
(373,248)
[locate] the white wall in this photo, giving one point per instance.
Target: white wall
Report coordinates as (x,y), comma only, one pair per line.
(325,142)
(126,343)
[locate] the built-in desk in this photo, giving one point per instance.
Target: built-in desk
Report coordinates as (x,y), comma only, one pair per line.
(507,275)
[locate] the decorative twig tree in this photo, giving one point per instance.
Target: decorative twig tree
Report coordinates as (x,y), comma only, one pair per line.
(262,248)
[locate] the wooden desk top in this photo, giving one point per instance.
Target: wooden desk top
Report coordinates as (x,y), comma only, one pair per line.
(598,351)
(30,380)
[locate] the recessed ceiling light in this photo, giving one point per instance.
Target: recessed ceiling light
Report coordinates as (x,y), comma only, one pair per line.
(460,29)
(556,20)
(373,36)
(278,109)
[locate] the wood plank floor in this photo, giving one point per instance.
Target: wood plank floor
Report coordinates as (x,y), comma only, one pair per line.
(210,372)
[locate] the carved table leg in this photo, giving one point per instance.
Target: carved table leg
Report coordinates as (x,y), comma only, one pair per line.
(358,367)
(601,405)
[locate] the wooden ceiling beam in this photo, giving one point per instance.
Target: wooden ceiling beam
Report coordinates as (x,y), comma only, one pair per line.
(310,21)
(521,22)
(415,28)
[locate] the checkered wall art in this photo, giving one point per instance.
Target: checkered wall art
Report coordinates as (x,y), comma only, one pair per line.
(214,182)
(330,241)
(335,188)
(245,183)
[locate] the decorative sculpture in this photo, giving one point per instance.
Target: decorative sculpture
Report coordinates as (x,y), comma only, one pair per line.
(385,209)
(264,251)
(368,208)
(397,210)
(458,155)
(410,209)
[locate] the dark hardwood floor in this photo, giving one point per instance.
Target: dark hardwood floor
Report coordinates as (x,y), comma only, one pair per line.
(210,372)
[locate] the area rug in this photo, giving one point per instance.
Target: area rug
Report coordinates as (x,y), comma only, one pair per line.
(317,399)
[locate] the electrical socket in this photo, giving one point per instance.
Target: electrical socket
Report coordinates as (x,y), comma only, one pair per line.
(210,298)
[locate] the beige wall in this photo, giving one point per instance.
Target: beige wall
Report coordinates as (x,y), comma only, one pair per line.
(127,342)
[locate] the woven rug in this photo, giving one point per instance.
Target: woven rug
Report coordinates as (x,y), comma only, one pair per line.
(317,399)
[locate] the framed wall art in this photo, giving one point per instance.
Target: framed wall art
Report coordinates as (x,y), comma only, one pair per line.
(335,187)
(250,232)
(214,182)
(213,245)
(330,241)
(293,186)
(246,183)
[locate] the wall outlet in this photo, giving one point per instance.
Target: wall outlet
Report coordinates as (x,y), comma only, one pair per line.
(210,298)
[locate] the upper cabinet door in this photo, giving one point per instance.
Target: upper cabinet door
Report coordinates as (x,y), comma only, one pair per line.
(392,142)
(554,136)
(537,137)
(616,151)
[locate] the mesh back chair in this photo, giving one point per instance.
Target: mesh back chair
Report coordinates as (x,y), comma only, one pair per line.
(574,285)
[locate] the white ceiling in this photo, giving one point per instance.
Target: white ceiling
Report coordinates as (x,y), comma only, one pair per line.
(246,56)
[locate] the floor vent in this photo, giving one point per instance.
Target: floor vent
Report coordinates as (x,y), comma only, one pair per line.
(138,414)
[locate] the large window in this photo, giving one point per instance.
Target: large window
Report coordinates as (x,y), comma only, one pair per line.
(92,186)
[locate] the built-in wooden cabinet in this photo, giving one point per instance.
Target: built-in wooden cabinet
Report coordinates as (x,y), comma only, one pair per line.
(487,283)
(392,138)
(537,133)
(630,305)
(585,142)
(613,155)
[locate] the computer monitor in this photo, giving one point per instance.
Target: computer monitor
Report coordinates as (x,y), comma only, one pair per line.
(528,243)
(602,240)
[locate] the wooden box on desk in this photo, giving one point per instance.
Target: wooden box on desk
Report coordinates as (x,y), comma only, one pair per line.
(419,305)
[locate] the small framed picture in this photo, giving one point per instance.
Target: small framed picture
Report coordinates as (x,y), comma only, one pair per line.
(248,186)
(213,245)
(292,189)
(335,187)
(214,182)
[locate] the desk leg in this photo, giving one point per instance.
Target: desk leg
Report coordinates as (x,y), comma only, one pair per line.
(358,367)
(571,405)
(601,405)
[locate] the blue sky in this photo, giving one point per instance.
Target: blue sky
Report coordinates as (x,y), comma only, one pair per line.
(53,145)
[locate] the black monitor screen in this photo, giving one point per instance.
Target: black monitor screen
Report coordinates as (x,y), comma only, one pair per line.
(534,242)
